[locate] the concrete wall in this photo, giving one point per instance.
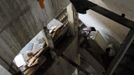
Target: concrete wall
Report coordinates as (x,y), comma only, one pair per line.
(3,71)
(20,20)
(70,48)
(111,31)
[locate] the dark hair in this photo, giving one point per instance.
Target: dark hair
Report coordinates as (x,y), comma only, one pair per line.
(92,28)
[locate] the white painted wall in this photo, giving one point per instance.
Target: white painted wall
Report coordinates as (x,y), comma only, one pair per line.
(106,27)
(111,31)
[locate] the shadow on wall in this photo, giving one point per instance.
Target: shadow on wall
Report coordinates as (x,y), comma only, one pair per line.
(116,45)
